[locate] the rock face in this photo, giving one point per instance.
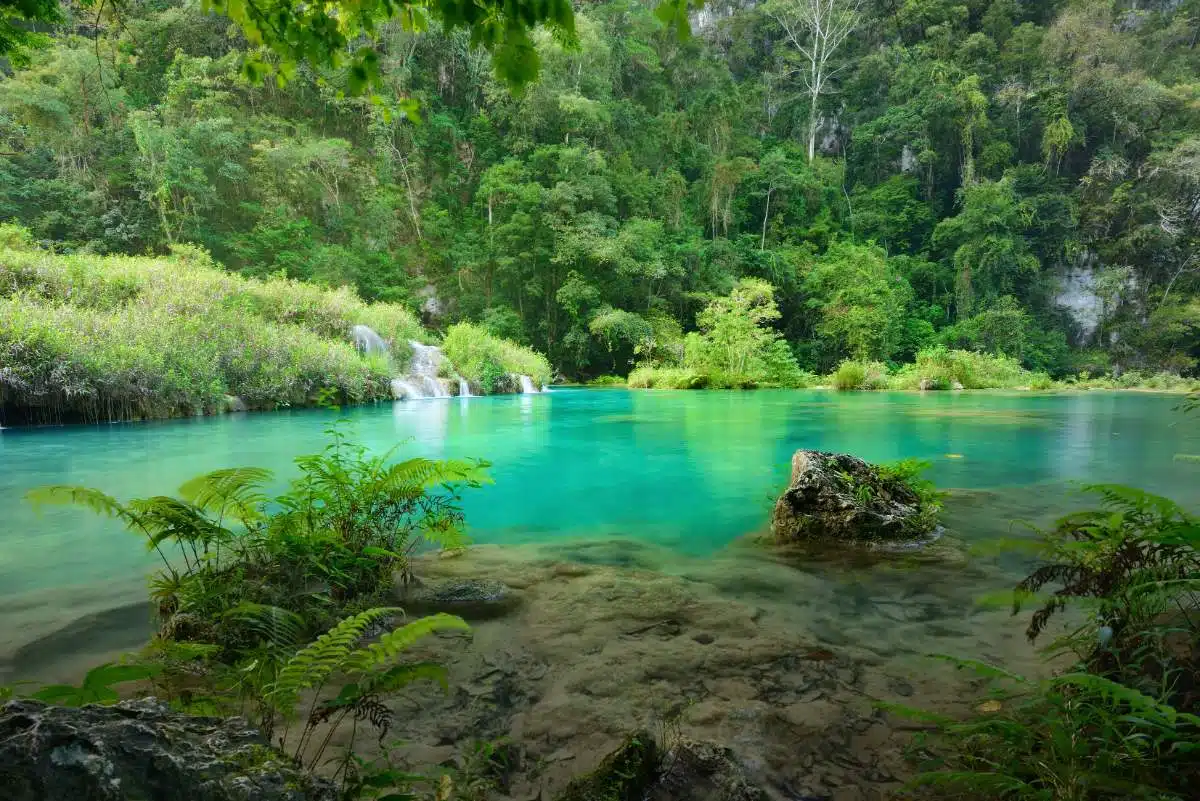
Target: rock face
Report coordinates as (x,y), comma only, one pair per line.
(835,496)
(141,751)
(472,599)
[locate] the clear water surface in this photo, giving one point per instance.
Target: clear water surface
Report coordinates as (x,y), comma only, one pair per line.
(690,472)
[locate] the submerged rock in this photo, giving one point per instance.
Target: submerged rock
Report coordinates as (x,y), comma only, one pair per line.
(689,771)
(700,771)
(624,775)
(141,751)
(835,496)
(473,599)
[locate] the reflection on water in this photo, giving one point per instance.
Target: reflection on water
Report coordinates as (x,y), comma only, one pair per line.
(688,472)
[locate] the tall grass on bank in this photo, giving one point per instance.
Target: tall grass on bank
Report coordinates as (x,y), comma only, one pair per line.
(489,362)
(101,338)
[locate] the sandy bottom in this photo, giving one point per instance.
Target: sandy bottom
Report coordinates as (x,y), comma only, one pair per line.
(781,657)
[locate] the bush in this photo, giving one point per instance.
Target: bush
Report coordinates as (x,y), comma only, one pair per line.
(99,338)
(648,377)
(234,559)
(477,354)
(852,375)
(942,368)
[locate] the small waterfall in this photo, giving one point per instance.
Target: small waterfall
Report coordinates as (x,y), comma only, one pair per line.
(527,386)
(464,389)
(422,380)
(366,340)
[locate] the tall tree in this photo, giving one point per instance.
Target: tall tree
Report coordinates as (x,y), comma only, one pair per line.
(815,29)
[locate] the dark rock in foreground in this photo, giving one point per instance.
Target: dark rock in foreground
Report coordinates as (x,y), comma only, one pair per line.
(838,497)
(689,771)
(472,599)
(141,751)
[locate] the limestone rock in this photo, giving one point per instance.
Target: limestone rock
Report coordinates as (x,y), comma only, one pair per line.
(835,496)
(472,599)
(141,751)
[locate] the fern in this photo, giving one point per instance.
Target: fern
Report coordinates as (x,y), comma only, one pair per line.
(97,685)
(392,643)
(315,663)
(279,627)
(236,491)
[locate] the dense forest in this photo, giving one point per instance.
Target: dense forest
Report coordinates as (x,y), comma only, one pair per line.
(1004,176)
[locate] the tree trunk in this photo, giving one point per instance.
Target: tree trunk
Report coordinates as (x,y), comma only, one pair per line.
(766,211)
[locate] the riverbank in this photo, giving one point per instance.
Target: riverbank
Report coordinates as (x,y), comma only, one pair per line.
(89,338)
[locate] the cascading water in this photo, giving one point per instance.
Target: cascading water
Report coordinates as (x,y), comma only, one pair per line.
(527,386)
(366,340)
(424,369)
(464,389)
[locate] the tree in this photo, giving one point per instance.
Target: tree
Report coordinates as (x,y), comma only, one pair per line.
(815,29)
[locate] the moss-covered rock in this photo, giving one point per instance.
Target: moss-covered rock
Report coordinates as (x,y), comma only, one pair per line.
(838,497)
(141,751)
(625,775)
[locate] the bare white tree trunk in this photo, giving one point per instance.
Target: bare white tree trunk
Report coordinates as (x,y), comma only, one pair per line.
(815,29)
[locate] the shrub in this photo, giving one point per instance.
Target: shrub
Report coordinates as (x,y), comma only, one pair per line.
(475,353)
(852,375)
(235,560)
(649,377)
(89,337)
(942,368)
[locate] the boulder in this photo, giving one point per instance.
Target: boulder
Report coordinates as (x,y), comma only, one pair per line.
(699,771)
(472,599)
(639,770)
(835,496)
(141,751)
(623,775)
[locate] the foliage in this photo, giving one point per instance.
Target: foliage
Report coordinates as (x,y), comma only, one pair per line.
(484,359)
(942,368)
(852,375)
(981,175)
(241,569)
(102,338)
(647,377)
(1135,563)
(97,686)
(1073,737)
(910,473)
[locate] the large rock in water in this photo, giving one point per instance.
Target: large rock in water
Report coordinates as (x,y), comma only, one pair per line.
(141,751)
(835,496)
(472,599)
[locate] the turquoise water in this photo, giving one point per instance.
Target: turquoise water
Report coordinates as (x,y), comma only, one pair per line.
(691,471)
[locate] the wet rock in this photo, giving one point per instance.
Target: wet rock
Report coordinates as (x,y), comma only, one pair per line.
(235,404)
(624,775)
(472,599)
(835,496)
(141,750)
(700,771)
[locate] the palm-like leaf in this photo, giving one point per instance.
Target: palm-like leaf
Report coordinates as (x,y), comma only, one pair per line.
(67,495)
(234,491)
(391,644)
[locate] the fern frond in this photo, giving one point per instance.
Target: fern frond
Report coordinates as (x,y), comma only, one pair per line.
(278,626)
(236,491)
(165,518)
(985,669)
(1114,692)
(329,653)
(67,495)
(392,643)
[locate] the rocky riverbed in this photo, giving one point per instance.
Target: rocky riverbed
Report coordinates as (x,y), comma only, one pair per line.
(594,641)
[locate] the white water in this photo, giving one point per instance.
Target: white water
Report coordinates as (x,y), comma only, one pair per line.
(423,372)
(527,386)
(366,340)
(464,389)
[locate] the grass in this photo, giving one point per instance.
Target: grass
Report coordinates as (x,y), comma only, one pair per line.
(488,361)
(85,337)
(666,378)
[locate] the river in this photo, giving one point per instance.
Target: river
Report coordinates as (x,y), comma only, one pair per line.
(684,474)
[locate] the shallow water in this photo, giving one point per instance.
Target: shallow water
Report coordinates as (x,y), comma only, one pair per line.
(579,472)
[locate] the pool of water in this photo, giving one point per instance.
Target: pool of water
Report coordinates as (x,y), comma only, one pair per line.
(689,472)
